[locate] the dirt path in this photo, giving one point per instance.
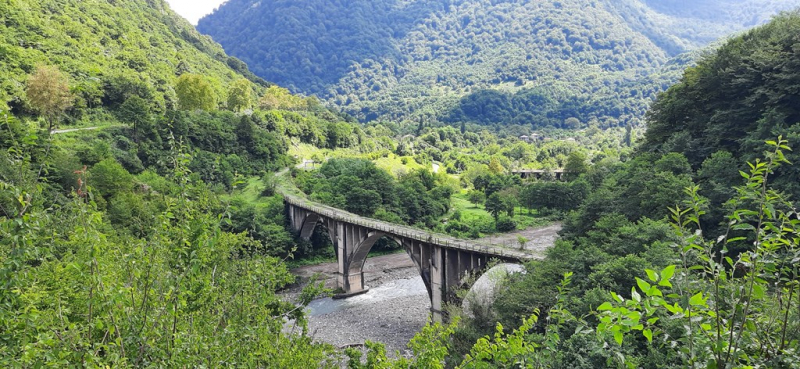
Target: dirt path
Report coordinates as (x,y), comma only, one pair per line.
(539,239)
(57,131)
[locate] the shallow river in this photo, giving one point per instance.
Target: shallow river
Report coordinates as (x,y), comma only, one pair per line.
(388,291)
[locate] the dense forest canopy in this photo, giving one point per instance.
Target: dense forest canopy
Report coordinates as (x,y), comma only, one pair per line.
(734,100)
(596,60)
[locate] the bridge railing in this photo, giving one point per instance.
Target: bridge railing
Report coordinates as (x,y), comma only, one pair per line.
(404,231)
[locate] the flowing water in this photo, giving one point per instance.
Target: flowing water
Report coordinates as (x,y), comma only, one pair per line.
(390,290)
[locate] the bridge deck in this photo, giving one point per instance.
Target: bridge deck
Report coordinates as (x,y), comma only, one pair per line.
(409,232)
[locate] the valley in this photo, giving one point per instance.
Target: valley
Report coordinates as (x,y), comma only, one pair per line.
(169,193)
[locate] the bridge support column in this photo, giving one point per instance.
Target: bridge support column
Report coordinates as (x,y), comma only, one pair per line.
(437,282)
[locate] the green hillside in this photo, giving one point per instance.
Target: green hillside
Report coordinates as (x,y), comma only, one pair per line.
(546,61)
(110,50)
(731,102)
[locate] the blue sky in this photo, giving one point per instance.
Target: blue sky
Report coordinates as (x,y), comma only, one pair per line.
(193,10)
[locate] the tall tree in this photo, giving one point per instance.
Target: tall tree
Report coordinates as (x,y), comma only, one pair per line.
(575,165)
(239,95)
(48,93)
(195,93)
(495,205)
(136,111)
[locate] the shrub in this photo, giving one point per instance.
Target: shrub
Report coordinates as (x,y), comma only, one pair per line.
(505,224)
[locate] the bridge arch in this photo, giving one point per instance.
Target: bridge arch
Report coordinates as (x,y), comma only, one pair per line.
(309,224)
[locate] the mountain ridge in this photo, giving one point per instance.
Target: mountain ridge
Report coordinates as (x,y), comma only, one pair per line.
(395,59)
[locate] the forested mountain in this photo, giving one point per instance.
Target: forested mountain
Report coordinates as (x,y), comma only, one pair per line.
(111,51)
(531,63)
(747,93)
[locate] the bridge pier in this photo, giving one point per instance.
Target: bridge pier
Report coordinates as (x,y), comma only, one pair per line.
(441,264)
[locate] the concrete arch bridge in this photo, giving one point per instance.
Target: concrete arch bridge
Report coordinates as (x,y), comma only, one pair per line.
(442,260)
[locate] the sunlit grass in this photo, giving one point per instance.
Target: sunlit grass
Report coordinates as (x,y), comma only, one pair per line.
(523,217)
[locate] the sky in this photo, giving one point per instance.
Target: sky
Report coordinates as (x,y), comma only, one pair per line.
(193,10)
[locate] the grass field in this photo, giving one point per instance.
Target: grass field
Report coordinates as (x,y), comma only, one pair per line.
(395,164)
(469,212)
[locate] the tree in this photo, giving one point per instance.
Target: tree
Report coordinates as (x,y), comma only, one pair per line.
(572,123)
(195,93)
(108,177)
(48,93)
(239,95)
(136,111)
(495,205)
(575,165)
(476,197)
(528,196)
(495,167)
(280,98)
(510,197)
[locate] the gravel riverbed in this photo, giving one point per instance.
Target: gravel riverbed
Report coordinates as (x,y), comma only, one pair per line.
(394,309)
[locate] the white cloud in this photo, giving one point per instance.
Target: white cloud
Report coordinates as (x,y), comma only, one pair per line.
(193,10)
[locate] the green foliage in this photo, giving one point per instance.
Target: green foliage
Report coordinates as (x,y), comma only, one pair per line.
(476,197)
(239,95)
(109,50)
(79,291)
(741,313)
(109,178)
(494,204)
(358,186)
(734,99)
(195,93)
(505,224)
(429,348)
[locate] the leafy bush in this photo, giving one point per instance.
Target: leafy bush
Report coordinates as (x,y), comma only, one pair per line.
(506,224)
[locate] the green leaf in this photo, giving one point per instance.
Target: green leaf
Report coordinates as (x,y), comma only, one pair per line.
(758,291)
(644,286)
(697,300)
(648,334)
(667,273)
(605,306)
(652,275)
(618,337)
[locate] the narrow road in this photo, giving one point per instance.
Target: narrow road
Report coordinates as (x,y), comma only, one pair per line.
(57,131)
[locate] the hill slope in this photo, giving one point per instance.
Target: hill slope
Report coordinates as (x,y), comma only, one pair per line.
(733,101)
(108,48)
(388,58)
